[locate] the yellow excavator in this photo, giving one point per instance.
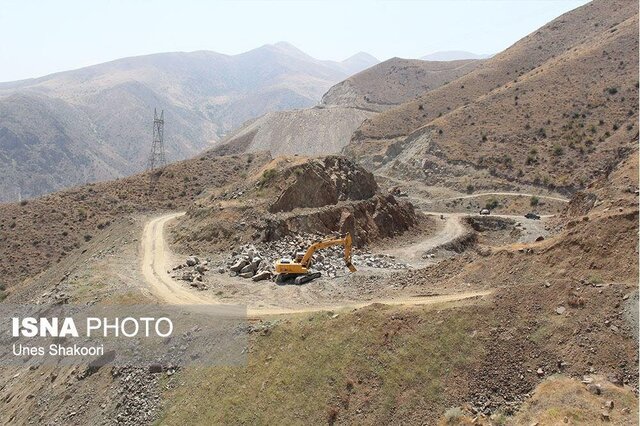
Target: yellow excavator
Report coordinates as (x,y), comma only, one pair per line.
(298,268)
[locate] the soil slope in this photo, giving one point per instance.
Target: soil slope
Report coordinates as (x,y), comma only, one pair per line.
(314,131)
(555,109)
(394,82)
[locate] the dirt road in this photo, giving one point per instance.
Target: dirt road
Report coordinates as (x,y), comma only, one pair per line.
(155,261)
(454,228)
(499,194)
(154,265)
(412,253)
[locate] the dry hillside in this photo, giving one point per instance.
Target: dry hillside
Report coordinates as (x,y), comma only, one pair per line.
(558,124)
(576,27)
(312,131)
(327,129)
(394,82)
(38,233)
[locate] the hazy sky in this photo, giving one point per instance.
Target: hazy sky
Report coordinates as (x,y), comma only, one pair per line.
(41,37)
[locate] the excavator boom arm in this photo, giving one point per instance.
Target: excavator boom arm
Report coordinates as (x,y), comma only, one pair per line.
(346,242)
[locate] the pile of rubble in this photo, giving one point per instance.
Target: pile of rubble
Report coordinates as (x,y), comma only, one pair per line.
(192,271)
(256,261)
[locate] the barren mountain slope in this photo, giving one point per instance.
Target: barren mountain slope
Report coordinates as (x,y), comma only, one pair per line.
(560,35)
(558,125)
(312,131)
(394,82)
(38,233)
(328,128)
(94,123)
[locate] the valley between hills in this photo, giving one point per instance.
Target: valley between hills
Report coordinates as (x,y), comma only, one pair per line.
(492,203)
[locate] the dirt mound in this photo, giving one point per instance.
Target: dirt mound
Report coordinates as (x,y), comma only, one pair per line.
(288,196)
(323,182)
(312,131)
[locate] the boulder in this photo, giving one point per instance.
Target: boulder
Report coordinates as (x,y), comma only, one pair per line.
(594,388)
(263,275)
(192,261)
(238,265)
(248,268)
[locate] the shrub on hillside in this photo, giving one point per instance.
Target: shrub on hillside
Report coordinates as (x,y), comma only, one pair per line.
(492,204)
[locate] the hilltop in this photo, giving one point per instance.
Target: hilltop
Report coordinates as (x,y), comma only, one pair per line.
(453,55)
(394,82)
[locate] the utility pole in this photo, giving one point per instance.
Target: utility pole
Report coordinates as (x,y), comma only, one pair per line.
(157,158)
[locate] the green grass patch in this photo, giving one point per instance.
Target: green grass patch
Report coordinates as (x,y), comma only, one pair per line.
(314,368)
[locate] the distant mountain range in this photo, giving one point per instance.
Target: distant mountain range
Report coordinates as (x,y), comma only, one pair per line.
(94,123)
(453,55)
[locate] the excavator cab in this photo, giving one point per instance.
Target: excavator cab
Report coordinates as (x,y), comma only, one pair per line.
(298,268)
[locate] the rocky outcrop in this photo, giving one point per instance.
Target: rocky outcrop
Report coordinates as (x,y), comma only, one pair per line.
(367,220)
(324,182)
(581,203)
(323,196)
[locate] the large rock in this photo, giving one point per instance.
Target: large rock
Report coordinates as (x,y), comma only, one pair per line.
(248,268)
(264,275)
(324,182)
(236,267)
(367,220)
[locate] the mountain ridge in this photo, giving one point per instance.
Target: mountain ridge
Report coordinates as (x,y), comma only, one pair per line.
(99,117)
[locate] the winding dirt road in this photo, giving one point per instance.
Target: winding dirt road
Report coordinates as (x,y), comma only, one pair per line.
(155,261)
(154,265)
(412,253)
(498,194)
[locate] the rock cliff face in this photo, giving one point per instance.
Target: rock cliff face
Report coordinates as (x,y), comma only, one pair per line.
(366,220)
(324,196)
(324,182)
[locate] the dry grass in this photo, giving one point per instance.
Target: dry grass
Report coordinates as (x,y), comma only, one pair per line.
(376,365)
(39,233)
(561,397)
